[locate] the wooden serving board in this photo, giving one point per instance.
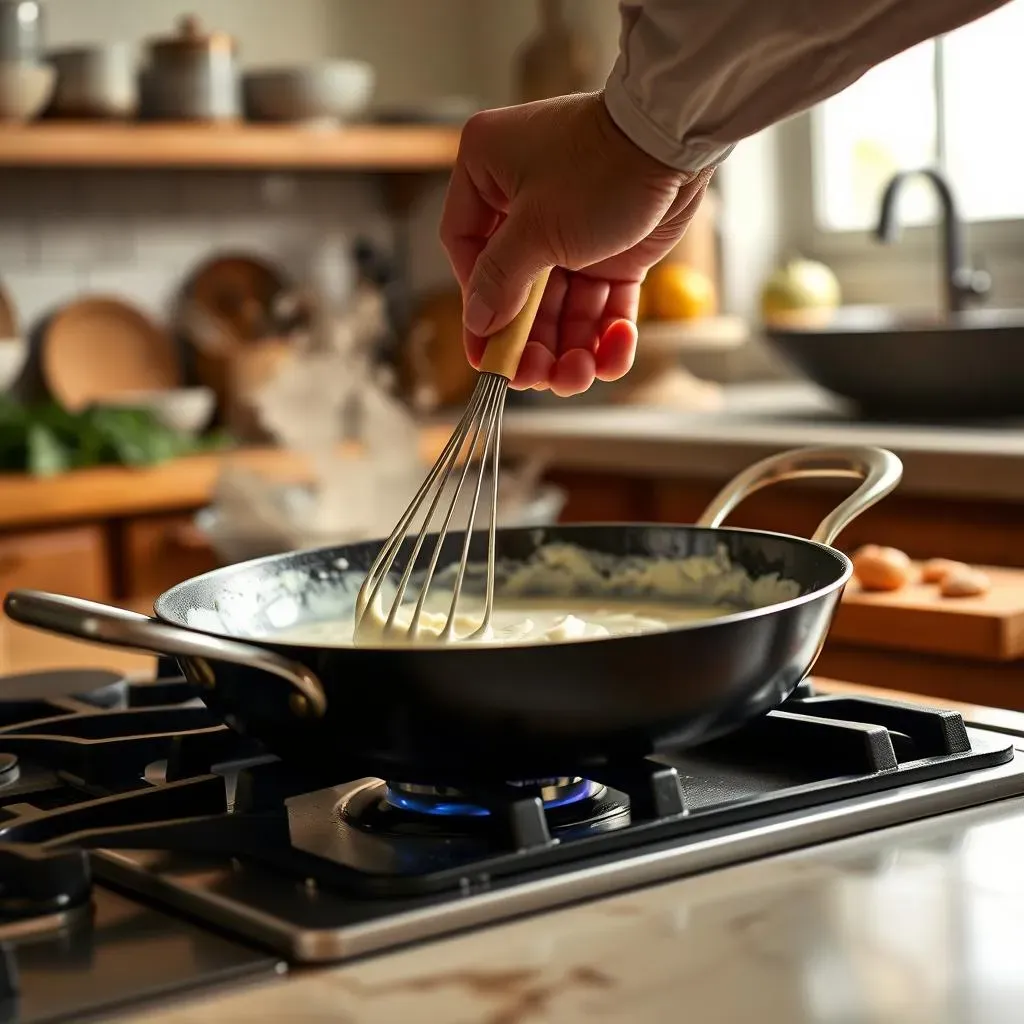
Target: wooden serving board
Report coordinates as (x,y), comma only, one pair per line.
(918,619)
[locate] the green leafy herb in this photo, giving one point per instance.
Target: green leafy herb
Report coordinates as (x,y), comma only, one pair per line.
(45,439)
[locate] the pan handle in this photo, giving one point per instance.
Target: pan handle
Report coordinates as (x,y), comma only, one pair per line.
(105,624)
(879,470)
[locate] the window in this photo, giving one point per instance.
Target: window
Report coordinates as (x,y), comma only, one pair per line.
(953,103)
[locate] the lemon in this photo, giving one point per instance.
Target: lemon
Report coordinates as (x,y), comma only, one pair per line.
(675,291)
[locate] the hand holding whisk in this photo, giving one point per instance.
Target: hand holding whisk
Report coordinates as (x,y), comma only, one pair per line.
(479,431)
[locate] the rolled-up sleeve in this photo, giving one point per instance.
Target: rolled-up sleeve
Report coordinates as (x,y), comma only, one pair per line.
(694,77)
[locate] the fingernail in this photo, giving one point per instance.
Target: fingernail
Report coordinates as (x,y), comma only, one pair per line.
(477,315)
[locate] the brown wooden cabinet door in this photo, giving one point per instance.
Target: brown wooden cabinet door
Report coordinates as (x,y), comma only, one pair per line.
(71,561)
(597,497)
(159,551)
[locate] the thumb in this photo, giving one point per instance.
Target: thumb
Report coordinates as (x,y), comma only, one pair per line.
(500,282)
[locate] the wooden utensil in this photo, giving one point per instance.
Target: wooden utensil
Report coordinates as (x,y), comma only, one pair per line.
(99,347)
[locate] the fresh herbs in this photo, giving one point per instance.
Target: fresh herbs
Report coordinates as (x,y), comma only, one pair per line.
(44,439)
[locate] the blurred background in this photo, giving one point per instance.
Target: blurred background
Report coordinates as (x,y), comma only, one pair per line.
(227,326)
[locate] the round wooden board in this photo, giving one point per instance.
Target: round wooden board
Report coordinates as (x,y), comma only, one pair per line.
(99,347)
(237,291)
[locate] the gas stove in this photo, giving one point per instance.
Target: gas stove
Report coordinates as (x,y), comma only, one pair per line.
(147,850)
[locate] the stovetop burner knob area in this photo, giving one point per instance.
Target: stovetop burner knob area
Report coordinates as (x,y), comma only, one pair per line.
(36,882)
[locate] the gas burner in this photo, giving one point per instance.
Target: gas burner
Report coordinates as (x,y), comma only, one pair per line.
(444,801)
(412,809)
(8,769)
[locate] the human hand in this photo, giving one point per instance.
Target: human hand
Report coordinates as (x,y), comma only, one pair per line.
(557,184)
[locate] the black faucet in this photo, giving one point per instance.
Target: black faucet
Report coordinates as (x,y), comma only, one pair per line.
(962,282)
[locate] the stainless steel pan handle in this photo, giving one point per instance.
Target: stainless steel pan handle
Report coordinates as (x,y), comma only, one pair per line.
(879,469)
(100,623)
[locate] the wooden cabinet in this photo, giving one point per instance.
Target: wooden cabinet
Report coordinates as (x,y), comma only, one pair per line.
(982,533)
(158,551)
(73,561)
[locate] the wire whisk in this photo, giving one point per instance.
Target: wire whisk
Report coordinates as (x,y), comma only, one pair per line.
(477,441)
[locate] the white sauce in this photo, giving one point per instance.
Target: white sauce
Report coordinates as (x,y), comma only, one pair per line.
(562,593)
(514,621)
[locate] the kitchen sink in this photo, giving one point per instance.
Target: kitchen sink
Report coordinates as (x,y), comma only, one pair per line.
(912,365)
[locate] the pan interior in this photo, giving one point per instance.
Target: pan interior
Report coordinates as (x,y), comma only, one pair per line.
(736,570)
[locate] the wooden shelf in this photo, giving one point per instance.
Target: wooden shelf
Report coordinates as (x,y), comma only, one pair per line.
(239,147)
(113,492)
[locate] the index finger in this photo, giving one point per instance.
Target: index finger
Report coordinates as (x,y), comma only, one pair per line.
(467,222)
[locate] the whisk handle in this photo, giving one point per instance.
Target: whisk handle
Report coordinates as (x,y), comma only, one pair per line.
(505,347)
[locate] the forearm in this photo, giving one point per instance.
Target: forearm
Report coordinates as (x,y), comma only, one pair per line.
(694,77)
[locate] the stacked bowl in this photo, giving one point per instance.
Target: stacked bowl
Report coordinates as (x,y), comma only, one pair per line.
(26,80)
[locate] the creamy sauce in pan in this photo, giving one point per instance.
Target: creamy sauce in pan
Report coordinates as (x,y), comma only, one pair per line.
(514,621)
(562,594)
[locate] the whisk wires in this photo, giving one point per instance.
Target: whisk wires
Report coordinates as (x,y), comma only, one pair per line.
(477,441)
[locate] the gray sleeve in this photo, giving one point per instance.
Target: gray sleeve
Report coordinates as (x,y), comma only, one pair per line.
(694,77)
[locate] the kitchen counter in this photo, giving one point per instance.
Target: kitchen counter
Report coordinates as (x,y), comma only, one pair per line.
(951,461)
(920,924)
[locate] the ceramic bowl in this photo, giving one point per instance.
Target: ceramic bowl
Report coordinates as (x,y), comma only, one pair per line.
(13,357)
(25,89)
(186,410)
(331,90)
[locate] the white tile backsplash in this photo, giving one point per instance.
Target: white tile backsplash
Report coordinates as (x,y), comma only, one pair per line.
(17,244)
(36,292)
(139,234)
(83,241)
(151,289)
(172,244)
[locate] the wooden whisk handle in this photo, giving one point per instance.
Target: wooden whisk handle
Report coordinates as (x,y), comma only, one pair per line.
(505,347)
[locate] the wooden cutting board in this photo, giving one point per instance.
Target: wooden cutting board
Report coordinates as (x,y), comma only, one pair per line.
(918,619)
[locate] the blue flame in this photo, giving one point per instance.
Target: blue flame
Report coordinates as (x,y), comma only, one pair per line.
(425,805)
(455,808)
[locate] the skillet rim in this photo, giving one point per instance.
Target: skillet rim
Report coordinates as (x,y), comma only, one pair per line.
(168,596)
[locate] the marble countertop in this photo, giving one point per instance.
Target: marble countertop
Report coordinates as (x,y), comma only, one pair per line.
(924,925)
(980,460)
(920,924)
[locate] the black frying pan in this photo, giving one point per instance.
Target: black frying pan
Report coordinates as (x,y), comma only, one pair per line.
(452,714)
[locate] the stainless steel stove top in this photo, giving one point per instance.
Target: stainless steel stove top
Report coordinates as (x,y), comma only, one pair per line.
(211,861)
(308,923)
